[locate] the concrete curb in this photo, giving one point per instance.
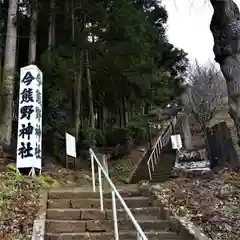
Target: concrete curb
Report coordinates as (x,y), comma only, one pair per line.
(185,229)
(39,223)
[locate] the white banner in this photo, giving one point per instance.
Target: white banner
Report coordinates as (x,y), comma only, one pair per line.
(176,141)
(70,145)
(29,143)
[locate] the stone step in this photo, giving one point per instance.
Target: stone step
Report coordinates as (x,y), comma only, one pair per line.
(145,213)
(162,168)
(160,180)
(66,226)
(157,172)
(110,236)
(79,194)
(161,171)
(141,214)
(161,176)
(163,164)
(95,203)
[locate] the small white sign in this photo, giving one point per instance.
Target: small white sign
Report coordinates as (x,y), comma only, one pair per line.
(176,141)
(70,145)
(29,142)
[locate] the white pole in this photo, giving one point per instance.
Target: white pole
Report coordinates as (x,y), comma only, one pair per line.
(100,188)
(159,150)
(155,157)
(138,236)
(93,172)
(114,207)
(156,153)
(152,164)
(149,171)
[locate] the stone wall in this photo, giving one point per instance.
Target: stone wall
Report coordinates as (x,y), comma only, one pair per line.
(223,116)
(222,146)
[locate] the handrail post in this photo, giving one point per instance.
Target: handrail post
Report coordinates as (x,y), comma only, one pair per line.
(149,171)
(159,150)
(152,164)
(138,236)
(105,166)
(93,172)
(121,200)
(100,188)
(115,220)
(155,155)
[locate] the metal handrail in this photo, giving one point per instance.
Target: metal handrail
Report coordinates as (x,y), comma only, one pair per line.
(115,193)
(161,142)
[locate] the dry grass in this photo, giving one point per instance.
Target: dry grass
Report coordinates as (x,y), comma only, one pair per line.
(19,197)
(213,205)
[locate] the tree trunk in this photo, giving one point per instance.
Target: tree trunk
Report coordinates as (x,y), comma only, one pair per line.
(186,131)
(102,117)
(105,116)
(127,111)
(66,14)
(74,100)
(52,27)
(77,86)
(208,150)
(78,96)
(8,74)
(225,27)
(1,54)
(124,115)
(120,117)
(89,84)
(146,108)
(184,100)
(33,32)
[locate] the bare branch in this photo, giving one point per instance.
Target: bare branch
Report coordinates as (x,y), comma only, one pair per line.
(207,92)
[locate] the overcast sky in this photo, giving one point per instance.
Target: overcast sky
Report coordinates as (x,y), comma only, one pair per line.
(188,27)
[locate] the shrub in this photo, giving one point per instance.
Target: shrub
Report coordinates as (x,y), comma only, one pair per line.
(91,137)
(121,136)
(139,134)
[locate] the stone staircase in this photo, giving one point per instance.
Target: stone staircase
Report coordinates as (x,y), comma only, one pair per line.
(163,159)
(163,168)
(75,214)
